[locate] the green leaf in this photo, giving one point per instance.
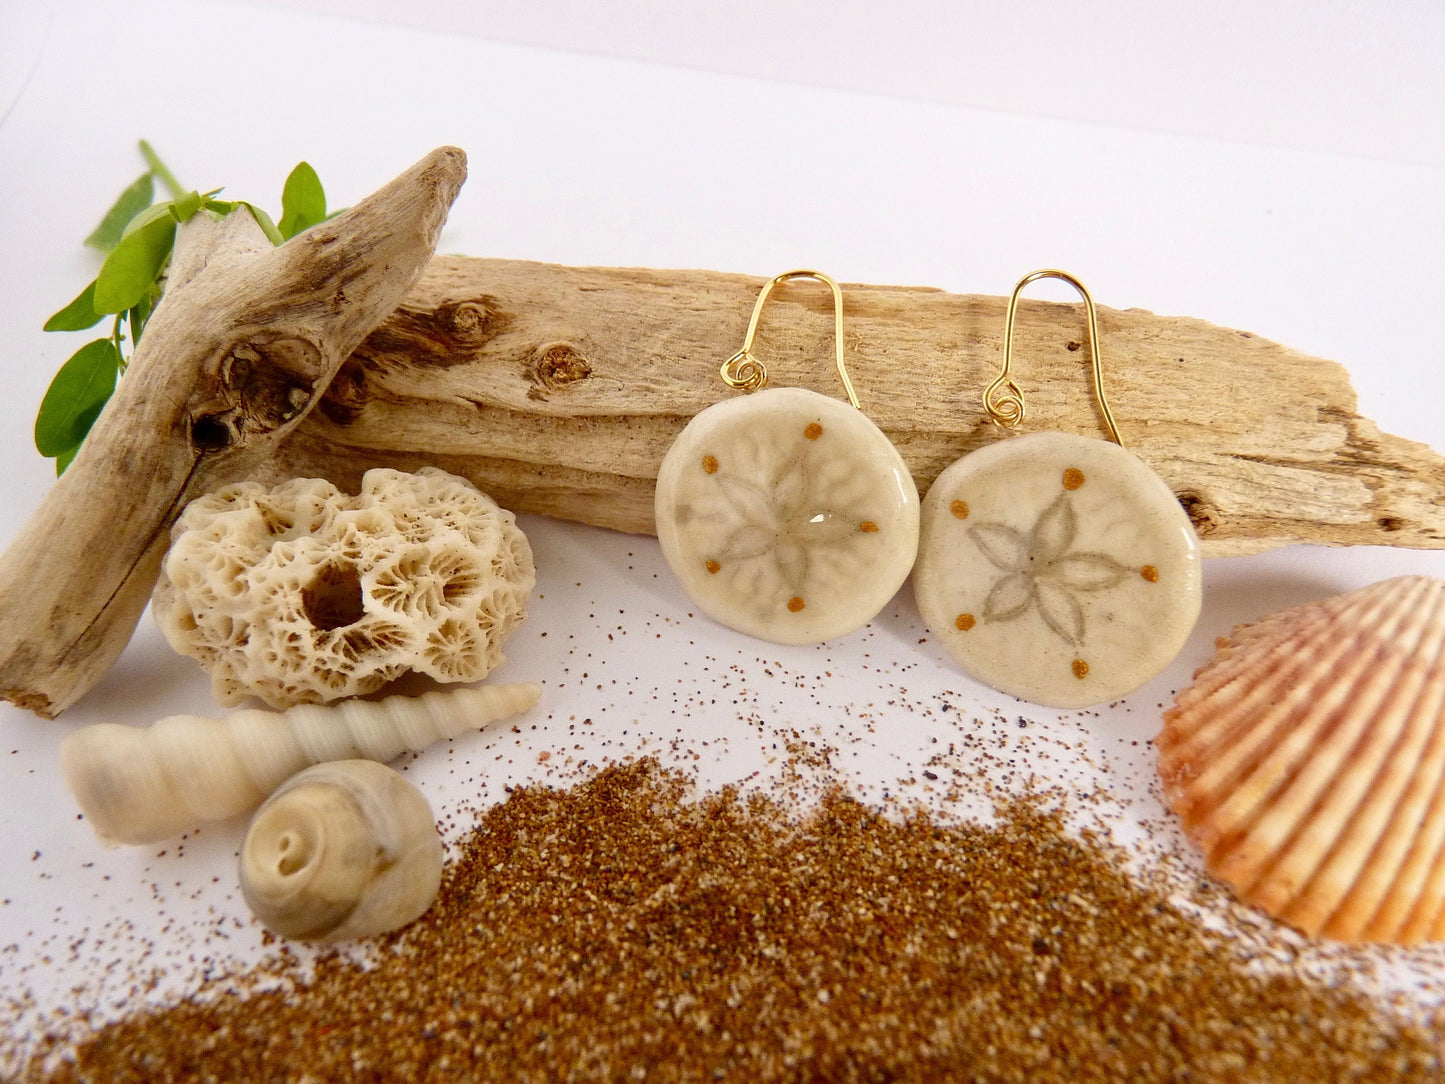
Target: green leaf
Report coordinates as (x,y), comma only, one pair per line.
(133,267)
(303,201)
(136,318)
(183,207)
(135,199)
(85,422)
(139,313)
(63,459)
(78,315)
(146,217)
(220,207)
(264,221)
(75,397)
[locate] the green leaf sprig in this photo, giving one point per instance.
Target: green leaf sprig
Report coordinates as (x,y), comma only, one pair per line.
(138,236)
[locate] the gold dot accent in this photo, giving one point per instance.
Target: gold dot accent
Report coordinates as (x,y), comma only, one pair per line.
(1073,478)
(959,509)
(795,604)
(868,526)
(712,566)
(709,464)
(964,622)
(813,432)
(1081,669)
(1150,573)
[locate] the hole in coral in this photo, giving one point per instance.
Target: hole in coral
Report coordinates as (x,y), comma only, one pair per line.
(333,599)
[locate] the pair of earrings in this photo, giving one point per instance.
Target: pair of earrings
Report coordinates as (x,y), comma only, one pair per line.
(1053,567)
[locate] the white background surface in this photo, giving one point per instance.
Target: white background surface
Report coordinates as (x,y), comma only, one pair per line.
(1279,171)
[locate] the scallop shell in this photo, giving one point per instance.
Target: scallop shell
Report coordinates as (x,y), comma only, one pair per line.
(1308,761)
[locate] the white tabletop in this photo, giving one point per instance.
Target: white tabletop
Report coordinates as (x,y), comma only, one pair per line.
(1323,233)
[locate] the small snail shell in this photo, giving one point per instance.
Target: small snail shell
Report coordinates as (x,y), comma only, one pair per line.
(341,850)
(144,784)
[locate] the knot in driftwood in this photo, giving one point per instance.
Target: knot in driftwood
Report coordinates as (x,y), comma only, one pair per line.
(555,366)
(258,386)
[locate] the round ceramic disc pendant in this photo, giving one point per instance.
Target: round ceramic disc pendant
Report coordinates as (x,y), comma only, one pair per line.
(787,515)
(1057,568)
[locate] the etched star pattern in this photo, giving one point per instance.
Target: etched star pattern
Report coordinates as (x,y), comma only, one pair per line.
(1041,570)
(781,522)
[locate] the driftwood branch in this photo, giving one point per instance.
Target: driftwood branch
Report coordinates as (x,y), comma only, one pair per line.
(242,345)
(559,389)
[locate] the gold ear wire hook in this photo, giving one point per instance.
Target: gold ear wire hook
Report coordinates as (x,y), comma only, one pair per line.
(746,372)
(1004,399)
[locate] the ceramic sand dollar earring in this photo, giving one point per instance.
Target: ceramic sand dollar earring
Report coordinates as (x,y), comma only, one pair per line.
(1054,567)
(784,513)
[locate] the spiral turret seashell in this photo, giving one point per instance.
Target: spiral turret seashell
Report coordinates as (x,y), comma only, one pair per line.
(1308,761)
(341,850)
(144,784)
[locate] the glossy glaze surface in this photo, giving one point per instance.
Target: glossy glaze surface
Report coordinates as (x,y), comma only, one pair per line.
(787,515)
(1057,568)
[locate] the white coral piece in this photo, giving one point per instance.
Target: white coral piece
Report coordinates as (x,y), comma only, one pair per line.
(304,594)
